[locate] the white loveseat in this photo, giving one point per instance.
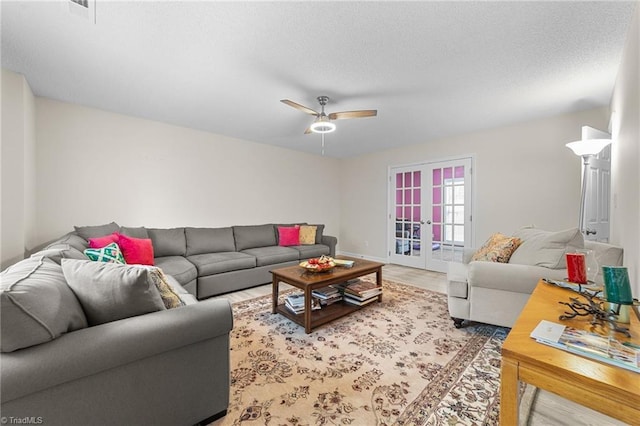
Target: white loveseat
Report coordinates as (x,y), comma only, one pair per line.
(495,293)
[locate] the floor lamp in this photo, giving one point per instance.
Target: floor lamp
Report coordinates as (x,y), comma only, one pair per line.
(587,149)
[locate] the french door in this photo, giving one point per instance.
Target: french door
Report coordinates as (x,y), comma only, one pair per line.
(430,214)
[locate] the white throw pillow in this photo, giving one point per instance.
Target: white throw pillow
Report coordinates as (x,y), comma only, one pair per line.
(546,248)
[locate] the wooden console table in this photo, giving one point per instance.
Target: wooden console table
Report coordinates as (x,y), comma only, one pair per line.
(611,390)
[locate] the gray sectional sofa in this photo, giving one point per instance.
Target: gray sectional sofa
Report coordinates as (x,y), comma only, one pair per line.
(213,261)
(165,367)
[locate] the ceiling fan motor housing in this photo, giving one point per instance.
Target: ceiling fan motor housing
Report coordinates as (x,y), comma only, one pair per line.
(323,101)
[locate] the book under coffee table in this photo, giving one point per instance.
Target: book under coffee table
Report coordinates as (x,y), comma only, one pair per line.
(308,281)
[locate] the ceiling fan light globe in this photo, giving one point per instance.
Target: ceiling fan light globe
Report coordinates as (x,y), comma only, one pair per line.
(322,126)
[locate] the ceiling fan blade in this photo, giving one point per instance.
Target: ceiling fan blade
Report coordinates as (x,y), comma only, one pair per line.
(353,114)
(300,107)
(306,132)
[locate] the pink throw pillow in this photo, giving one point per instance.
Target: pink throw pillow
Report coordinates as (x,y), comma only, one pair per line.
(288,236)
(100,242)
(136,250)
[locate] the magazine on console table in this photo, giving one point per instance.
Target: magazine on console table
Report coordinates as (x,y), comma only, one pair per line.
(588,344)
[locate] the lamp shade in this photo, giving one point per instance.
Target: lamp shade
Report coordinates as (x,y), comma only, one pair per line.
(322,125)
(588,146)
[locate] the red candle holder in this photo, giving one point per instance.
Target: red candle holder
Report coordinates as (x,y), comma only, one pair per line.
(577,268)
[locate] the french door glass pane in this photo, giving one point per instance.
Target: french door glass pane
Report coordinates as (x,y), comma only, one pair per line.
(408,213)
(458,194)
(448,213)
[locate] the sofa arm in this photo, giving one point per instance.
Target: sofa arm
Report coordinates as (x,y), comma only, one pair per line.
(330,241)
(510,277)
(95,349)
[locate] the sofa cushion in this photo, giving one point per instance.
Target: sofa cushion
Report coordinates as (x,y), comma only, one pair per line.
(273,255)
(36,304)
(319,232)
(498,248)
(309,251)
(135,232)
(546,248)
(59,251)
(209,240)
(216,263)
(606,254)
(109,253)
(74,240)
(288,236)
(110,291)
(178,267)
(247,237)
(136,250)
(168,242)
(87,232)
(308,234)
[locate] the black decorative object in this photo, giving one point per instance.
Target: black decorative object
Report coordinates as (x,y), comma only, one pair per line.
(595,308)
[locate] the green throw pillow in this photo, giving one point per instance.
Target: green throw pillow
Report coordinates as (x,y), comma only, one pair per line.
(109,254)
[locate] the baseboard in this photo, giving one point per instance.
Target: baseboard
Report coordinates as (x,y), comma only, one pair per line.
(362,256)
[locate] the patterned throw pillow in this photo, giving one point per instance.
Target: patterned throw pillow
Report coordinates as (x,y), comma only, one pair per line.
(110,254)
(307,234)
(498,248)
(169,297)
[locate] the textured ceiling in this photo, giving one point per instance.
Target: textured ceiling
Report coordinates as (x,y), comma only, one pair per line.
(431,69)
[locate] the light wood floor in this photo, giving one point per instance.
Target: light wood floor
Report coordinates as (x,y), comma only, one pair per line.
(547,408)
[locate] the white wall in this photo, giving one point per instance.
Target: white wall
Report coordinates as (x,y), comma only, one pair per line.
(523,175)
(625,155)
(18,169)
(96,166)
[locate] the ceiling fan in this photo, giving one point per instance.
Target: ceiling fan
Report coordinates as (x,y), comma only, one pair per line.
(323,122)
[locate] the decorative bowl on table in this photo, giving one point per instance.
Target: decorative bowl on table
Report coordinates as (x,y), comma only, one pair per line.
(321,264)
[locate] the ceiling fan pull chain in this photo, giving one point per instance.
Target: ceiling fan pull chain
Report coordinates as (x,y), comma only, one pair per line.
(322,136)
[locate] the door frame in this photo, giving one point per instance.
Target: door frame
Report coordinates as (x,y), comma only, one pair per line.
(391,206)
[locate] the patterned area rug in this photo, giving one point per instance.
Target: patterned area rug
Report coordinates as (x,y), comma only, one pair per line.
(398,362)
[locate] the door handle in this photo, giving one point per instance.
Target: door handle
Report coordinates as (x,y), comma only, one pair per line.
(590,231)
(428,222)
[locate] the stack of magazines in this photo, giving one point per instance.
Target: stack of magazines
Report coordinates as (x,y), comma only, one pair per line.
(360,293)
(588,344)
(295,303)
(327,295)
(343,262)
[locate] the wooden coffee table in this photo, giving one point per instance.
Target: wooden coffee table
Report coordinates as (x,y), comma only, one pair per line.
(611,390)
(308,281)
